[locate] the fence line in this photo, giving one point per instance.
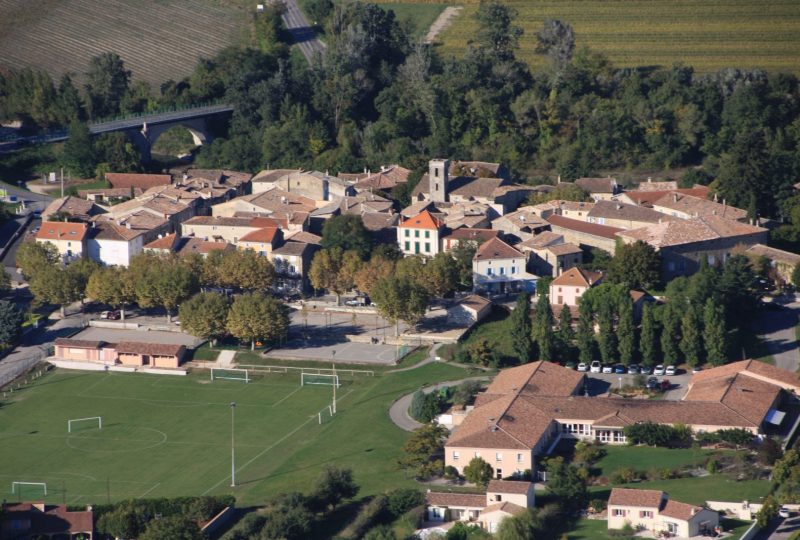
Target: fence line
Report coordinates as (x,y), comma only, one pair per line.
(20,368)
(310,370)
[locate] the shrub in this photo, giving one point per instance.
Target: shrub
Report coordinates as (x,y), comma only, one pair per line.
(370,515)
(450,472)
(712,465)
(401,501)
(769,451)
(598,504)
(588,453)
(478,472)
(625,475)
(737,437)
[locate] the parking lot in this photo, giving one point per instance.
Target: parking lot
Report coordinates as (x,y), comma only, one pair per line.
(600,383)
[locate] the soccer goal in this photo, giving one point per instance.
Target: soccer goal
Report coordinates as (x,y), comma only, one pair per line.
(230,374)
(16,487)
(319,379)
(325,415)
(92,419)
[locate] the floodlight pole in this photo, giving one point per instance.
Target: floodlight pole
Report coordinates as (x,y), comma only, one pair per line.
(233,455)
(333,364)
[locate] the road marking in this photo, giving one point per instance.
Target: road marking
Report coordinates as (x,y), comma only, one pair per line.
(149,490)
(287,397)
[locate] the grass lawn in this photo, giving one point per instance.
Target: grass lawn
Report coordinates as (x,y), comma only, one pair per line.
(419,17)
(708,35)
(170,436)
(644,458)
(589,529)
(493,329)
(716,487)
(736,526)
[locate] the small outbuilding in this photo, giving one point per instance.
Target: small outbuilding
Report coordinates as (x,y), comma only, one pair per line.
(468,310)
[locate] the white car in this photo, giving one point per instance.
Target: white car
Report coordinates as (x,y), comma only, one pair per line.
(784,512)
(608,369)
(595,367)
(670,370)
(658,370)
(583,367)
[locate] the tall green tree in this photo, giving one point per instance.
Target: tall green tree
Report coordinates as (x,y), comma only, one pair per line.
(691,337)
(606,336)
(334,270)
(334,485)
(56,285)
(10,322)
(463,254)
(204,315)
(174,527)
(478,472)
(714,333)
(112,285)
(78,155)
(245,269)
(648,339)
(400,299)
(441,275)
(257,317)
(33,256)
(585,334)
(521,329)
(162,280)
(566,335)
(670,333)
(347,232)
(565,484)
(626,331)
(542,328)
(106,84)
(497,35)
(636,266)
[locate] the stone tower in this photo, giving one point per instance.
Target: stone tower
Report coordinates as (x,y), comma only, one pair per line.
(437,179)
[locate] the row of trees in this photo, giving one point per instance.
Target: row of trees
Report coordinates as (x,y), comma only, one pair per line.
(167,281)
(702,320)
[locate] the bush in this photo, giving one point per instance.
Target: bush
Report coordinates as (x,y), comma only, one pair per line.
(769,451)
(625,475)
(712,465)
(653,434)
(598,504)
(401,501)
(450,472)
(478,472)
(370,515)
(588,453)
(425,407)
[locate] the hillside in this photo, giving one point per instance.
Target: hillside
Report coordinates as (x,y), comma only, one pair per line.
(707,35)
(157,40)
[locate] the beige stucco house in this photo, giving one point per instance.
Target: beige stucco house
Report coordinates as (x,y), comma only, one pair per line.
(500,268)
(420,234)
(503,498)
(654,511)
(567,288)
(68,238)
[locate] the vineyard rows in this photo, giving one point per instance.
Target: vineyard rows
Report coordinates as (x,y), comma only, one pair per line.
(157,40)
(707,35)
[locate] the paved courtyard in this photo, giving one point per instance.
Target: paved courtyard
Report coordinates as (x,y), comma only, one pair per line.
(348,352)
(113,335)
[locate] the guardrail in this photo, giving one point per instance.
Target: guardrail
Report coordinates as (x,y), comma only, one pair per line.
(20,368)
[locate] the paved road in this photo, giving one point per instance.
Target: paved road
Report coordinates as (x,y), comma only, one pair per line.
(777,326)
(780,529)
(398,412)
(301,31)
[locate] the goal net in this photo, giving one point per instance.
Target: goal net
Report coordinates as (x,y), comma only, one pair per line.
(325,415)
(92,421)
(230,374)
(319,379)
(17,487)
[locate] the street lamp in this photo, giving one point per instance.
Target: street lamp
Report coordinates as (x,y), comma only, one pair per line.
(233,455)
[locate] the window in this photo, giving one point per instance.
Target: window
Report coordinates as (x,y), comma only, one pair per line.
(427,234)
(498,497)
(477,454)
(262,253)
(436,175)
(427,247)
(416,234)
(513,269)
(559,289)
(489,272)
(646,514)
(498,456)
(408,233)
(436,186)
(519,458)
(416,247)
(408,246)
(619,512)
(499,474)
(456,455)
(672,527)
(502,271)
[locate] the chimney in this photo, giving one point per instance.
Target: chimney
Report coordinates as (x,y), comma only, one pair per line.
(185,176)
(558,180)
(716,197)
(649,179)
(675,197)
(128,225)
(619,206)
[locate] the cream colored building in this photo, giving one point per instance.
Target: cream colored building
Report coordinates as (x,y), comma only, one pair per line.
(567,288)
(653,511)
(68,238)
(420,235)
(502,499)
(498,268)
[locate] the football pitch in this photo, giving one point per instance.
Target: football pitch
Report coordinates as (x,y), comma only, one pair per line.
(166,436)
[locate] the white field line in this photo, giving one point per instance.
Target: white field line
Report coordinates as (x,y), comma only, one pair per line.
(270,447)
(149,490)
(287,396)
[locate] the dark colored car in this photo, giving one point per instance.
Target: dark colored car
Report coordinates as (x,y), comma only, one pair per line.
(620,369)
(652,383)
(666,385)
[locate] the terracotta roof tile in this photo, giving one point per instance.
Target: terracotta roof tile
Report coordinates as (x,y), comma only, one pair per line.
(166,242)
(667,185)
(688,231)
(423,220)
(265,235)
(778,255)
(159,349)
(647,198)
(631,212)
(458,500)
(508,486)
(59,230)
(698,206)
(646,498)
(467,233)
(505,506)
(593,229)
(495,248)
(679,510)
(597,185)
(578,277)
(143,181)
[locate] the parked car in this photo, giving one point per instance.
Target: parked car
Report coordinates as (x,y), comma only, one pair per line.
(595,366)
(620,369)
(352,303)
(583,367)
(570,365)
(659,370)
(645,370)
(652,383)
(670,370)
(784,512)
(608,369)
(666,385)
(633,369)
(114,315)
(697,369)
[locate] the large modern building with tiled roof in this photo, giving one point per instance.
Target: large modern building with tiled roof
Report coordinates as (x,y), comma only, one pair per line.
(527,409)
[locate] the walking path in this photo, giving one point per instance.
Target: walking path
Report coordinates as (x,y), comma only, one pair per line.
(442,21)
(225,358)
(777,328)
(398,412)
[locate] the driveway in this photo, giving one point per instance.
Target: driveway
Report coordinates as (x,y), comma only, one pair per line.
(600,383)
(779,529)
(398,412)
(777,327)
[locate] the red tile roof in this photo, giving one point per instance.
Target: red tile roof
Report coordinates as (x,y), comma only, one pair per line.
(584,227)
(266,235)
(58,230)
(47,519)
(508,486)
(167,242)
(143,181)
(423,220)
(645,498)
(458,500)
(158,349)
(495,248)
(577,277)
(679,510)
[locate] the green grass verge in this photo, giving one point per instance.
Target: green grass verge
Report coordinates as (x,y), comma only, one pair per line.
(697,490)
(707,35)
(166,436)
(737,527)
(643,458)
(589,529)
(418,18)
